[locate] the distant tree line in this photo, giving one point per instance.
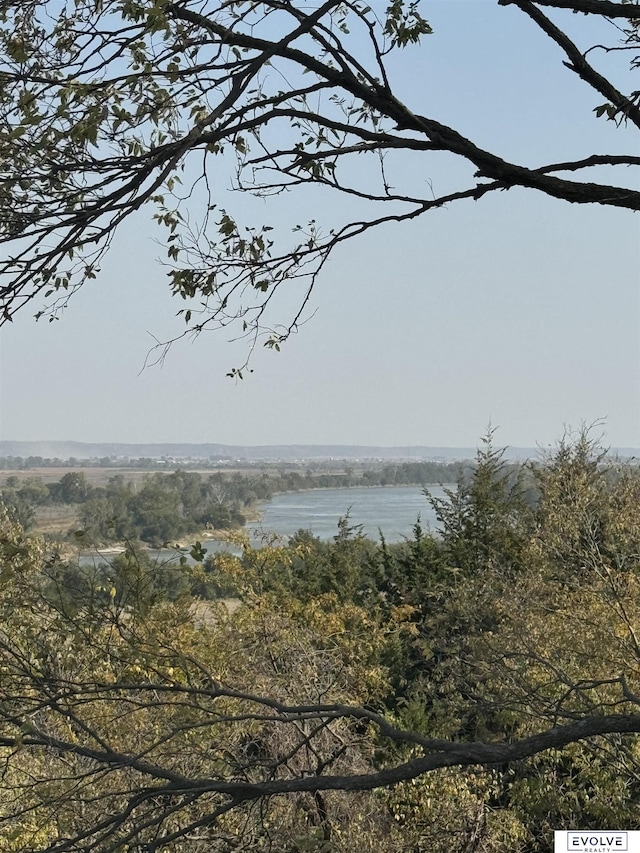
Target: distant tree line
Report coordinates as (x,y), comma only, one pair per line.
(162,509)
(26,463)
(167,507)
(246,488)
(149,463)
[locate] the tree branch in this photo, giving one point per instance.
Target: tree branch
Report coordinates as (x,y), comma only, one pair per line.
(578,64)
(630,11)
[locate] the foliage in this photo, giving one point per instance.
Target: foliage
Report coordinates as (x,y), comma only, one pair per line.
(354,696)
(483,520)
(109,107)
(151,682)
(169,507)
(166,508)
(555,641)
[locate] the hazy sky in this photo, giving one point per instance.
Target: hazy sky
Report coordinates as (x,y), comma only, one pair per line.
(517,308)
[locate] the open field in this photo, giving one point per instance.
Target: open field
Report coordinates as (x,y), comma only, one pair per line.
(55,520)
(95,476)
(100,476)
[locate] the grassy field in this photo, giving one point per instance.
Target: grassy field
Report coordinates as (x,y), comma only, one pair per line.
(55,520)
(95,476)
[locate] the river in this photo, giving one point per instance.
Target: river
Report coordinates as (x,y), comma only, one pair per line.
(392,510)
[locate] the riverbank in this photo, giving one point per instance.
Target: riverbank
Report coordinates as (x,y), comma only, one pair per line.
(392,509)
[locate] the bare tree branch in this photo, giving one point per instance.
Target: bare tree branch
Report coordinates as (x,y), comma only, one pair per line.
(630,11)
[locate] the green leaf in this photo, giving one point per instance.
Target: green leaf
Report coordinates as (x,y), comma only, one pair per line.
(197,552)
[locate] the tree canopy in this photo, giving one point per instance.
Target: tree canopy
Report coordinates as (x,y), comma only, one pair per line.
(486,680)
(477,688)
(108,107)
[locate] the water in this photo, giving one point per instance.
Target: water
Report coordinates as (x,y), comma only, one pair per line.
(393,510)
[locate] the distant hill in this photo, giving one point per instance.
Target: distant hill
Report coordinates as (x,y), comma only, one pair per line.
(286,452)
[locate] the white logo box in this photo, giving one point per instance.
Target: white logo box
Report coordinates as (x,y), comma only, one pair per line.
(597,841)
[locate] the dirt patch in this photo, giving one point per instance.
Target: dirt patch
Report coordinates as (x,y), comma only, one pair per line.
(206,612)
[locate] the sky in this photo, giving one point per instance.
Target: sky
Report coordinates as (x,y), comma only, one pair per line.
(516,310)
